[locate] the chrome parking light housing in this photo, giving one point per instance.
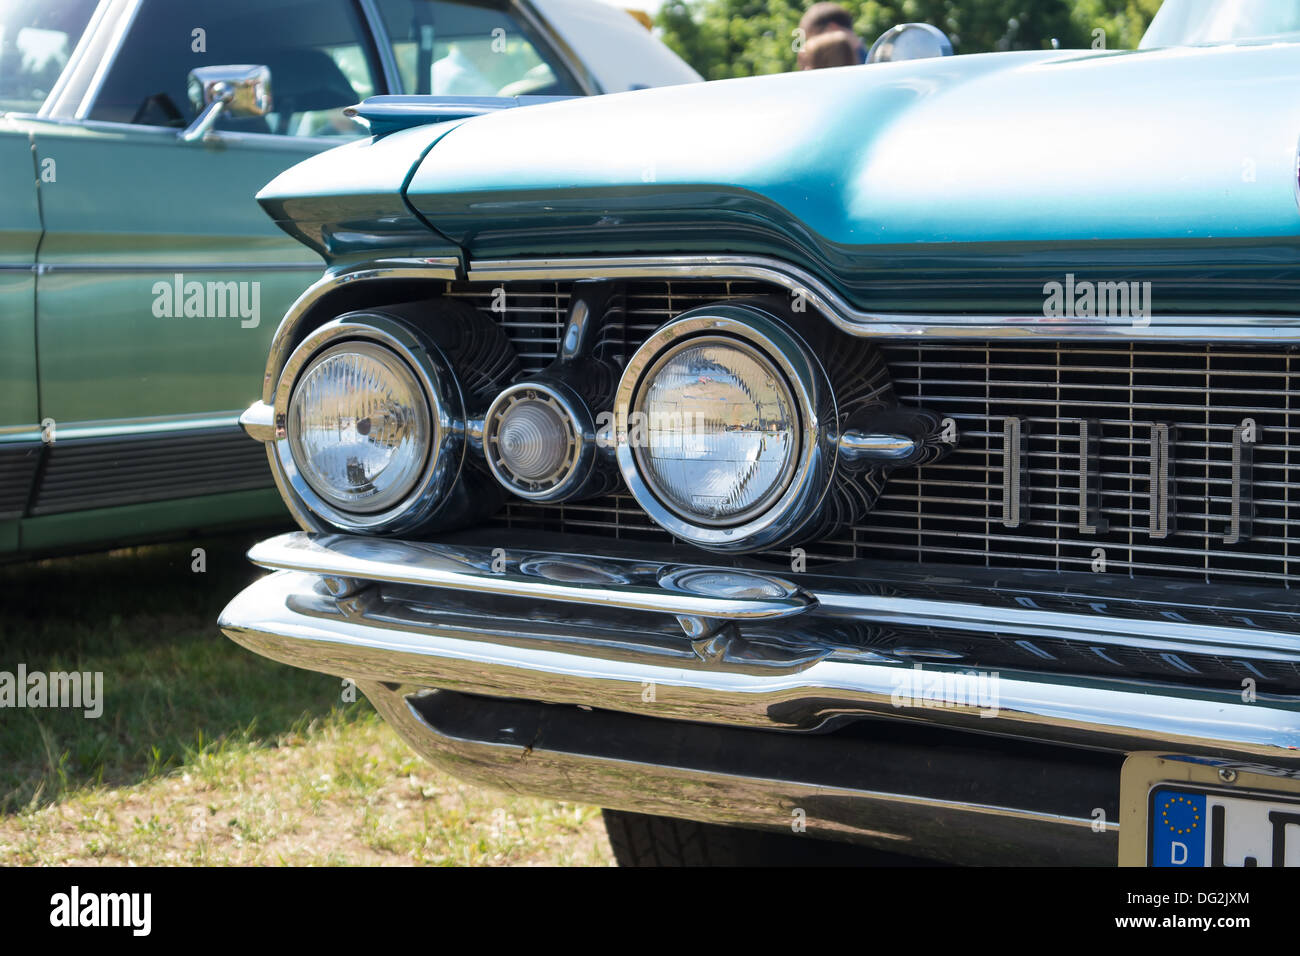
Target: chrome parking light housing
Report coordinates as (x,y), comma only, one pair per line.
(401,347)
(790,501)
(539,440)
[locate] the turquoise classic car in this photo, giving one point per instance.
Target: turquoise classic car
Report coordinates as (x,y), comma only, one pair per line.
(899,454)
(141,283)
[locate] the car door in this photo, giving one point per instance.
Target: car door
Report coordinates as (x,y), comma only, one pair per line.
(161,280)
(36,41)
(20,231)
(132,207)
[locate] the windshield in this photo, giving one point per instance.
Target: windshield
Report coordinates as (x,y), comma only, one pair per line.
(36,39)
(1187,22)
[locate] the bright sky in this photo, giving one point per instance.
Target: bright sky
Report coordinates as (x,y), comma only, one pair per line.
(649,6)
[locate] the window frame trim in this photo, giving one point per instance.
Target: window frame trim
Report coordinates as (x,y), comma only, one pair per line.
(381,45)
(68,90)
(121,27)
(540,34)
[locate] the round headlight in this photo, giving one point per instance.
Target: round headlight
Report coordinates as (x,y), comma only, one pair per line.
(721,430)
(358,427)
(723,427)
(369,429)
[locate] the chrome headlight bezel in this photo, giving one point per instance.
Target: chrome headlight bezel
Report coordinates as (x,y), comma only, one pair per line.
(640,399)
(807,484)
(444,406)
(400,374)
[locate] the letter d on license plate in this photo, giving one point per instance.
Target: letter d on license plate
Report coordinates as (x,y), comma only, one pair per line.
(1178,811)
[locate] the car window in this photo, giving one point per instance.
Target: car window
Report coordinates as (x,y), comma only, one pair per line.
(36,39)
(462,49)
(318,51)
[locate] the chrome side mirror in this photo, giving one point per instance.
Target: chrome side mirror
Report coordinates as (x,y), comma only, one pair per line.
(242,91)
(909,41)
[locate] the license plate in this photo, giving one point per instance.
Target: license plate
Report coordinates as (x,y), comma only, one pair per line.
(1179,811)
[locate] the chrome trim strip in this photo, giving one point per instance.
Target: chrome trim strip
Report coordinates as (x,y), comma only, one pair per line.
(271,141)
(1015,452)
(75,59)
(481,570)
(1153,634)
(126,19)
(146,426)
(47,267)
(626,584)
(1091,520)
(1250,329)
(383,43)
(1242,512)
(445,268)
(873,449)
(1162,483)
(20,433)
(285,617)
(855,321)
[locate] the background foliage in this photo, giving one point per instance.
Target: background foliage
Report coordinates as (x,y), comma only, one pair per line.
(725,38)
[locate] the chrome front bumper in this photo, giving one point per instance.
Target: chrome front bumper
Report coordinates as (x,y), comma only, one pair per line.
(704,659)
(681,642)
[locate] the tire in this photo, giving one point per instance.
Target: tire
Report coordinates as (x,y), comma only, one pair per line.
(639,839)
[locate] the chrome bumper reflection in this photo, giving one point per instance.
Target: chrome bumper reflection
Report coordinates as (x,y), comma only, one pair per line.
(720,593)
(954,800)
(530,628)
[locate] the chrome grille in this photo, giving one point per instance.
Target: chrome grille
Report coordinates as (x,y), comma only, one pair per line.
(953,512)
(532,314)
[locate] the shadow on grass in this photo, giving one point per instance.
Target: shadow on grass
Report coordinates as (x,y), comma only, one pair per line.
(174,687)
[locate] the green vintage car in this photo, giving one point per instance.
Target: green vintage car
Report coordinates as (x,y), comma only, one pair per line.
(901,454)
(140,282)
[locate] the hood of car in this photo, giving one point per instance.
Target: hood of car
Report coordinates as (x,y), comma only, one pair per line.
(1181,145)
(347,202)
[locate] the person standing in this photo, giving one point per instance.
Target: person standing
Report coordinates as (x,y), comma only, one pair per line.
(826,19)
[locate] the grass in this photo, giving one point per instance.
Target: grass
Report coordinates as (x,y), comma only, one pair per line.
(208,754)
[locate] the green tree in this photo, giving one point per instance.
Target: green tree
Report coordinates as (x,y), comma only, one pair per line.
(725,38)
(1124,21)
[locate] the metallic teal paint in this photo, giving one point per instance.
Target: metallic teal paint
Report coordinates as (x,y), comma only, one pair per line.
(994,148)
(20,232)
(150,521)
(104,352)
(963,183)
(349,201)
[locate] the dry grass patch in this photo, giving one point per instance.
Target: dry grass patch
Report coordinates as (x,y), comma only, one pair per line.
(209,754)
(343,791)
